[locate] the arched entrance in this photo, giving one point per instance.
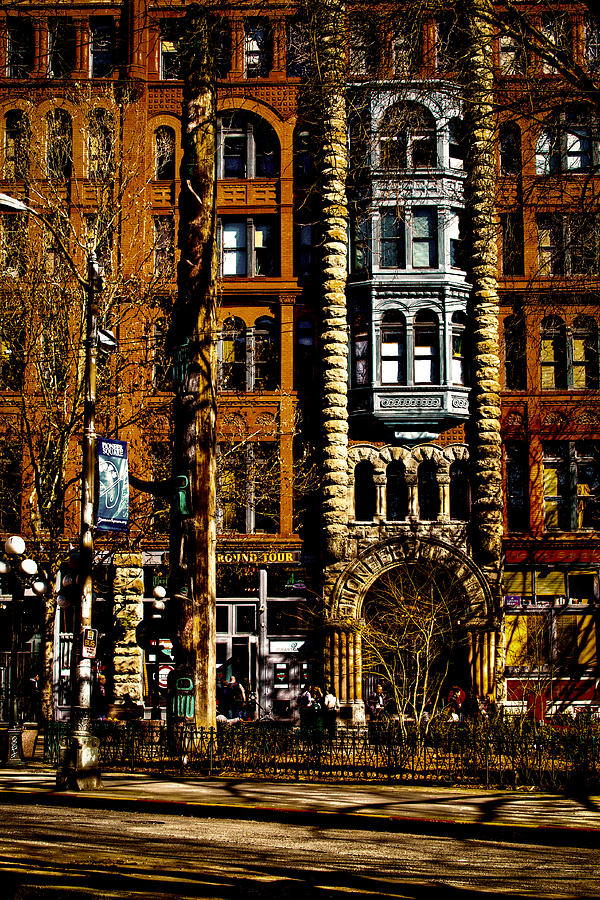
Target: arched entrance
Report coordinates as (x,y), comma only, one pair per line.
(422,567)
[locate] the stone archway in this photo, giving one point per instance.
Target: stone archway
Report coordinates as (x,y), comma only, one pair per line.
(343,650)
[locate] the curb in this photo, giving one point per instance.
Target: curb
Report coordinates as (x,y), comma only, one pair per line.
(547,835)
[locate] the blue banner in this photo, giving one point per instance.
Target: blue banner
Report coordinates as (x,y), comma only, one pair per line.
(113,486)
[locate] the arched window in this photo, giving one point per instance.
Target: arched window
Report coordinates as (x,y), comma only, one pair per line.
(393,348)
(360,350)
(427,348)
(17,139)
(510,149)
(459,360)
(515,358)
(100,144)
(585,353)
(554,354)
(397,492)
(456,144)
(428,491)
(266,355)
(59,153)
(460,500)
(232,367)
(408,138)
(364,492)
(248,147)
(164,153)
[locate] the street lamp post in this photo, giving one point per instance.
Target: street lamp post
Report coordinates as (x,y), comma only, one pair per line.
(80,767)
(22,571)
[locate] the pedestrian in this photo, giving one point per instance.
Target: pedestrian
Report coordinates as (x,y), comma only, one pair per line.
(316,709)
(99,702)
(376,704)
(236,698)
(331,706)
(304,703)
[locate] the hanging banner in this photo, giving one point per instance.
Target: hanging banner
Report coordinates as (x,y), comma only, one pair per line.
(113,486)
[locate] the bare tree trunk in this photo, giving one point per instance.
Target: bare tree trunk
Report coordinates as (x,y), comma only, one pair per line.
(193,537)
(328,48)
(485,440)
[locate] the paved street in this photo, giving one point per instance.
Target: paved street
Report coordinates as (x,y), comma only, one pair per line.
(177,838)
(55,852)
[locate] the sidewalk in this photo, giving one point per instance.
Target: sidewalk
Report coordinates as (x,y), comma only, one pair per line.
(507,815)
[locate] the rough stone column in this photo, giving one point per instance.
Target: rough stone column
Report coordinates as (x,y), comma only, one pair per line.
(128,593)
(343,669)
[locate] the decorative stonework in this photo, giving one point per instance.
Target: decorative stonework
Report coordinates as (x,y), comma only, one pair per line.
(128,592)
(356,579)
(410,402)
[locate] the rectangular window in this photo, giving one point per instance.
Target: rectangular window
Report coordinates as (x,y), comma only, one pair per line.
(587,469)
(571,485)
(164,246)
(13,244)
(517,486)
(10,487)
(169,51)
(392,240)
(556,28)
(393,355)
(513,261)
(424,238)
(578,149)
(455,239)
(248,478)
(258,49)
(304,250)
(19,48)
(592,44)
(245,619)
(61,49)
(558,486)
(451,45)
(297,49)
(222,619)
(160,461)
(513,57)
(99,234)
(551,245)
(249,247)
(102,46)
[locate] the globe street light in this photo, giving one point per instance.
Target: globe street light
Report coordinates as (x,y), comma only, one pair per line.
(22,573)
(80,769)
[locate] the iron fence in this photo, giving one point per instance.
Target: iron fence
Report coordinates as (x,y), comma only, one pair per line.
(498,755)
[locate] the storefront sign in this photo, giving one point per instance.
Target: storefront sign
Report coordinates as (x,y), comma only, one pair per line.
(113,486)
(257,557)
(286,646)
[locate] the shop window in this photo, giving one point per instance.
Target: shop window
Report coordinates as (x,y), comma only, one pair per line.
(61,48)
(513,244)
(515,353)
(460,492)
(393,348)
(408,138)
(297,49)
(100,145)
(517,486)
(247,147)
(426,348)
(248,247)
(102,46)
(392,240)
(164,153)
(456,144)
(164,246)
(222,619)
(428,491)
(13,244)
(513,55)
(248,488)
(19,48)
(364,492)
(538,639)
(459,359)
(510,149)
(59,151)
(585,353)
(245,619)
(360,350)
(258,48)
(396,492)
(592,44)
(424,237)
(554,354)
(450,44)
(17,141)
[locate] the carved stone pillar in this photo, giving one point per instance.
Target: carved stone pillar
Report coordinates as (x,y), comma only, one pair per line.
(482,654)
(380,500)
(128,593)
(343,669)
(444,487)
(413,497)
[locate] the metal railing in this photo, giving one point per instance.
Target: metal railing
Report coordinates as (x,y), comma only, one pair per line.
(494,754)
